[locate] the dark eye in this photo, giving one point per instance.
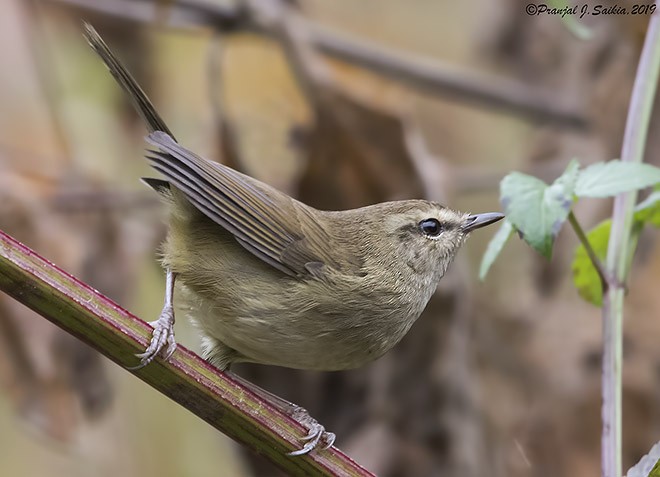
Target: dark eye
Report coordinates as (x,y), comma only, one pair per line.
(430,227)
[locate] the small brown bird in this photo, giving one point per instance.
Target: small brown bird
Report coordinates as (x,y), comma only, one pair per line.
(270,280)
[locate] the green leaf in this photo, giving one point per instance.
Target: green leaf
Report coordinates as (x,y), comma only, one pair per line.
(495,247)
(585,277)
(537,210)
(648,211)
(655,471)
(607,179)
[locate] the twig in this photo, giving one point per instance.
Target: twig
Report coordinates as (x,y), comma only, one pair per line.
(420,73)
(183,14)
(451,82)
(187,379)
(634,142)
(598,265)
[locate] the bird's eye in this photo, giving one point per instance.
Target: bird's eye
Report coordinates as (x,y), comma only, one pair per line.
(430,227)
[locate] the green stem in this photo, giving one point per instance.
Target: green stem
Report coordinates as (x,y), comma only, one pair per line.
(634,141)
(598,265)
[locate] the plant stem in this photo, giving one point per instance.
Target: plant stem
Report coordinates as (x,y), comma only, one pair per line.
(634,141)
(598,265)
(214,396)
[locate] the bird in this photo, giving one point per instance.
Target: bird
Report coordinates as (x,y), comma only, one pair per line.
(268,279)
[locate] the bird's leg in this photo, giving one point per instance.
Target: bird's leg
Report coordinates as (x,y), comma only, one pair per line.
(163,328)
(317,433)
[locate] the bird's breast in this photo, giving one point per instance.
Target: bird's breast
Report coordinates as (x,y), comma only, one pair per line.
(308,325)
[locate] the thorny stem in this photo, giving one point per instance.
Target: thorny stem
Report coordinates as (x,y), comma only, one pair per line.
(634,141)
(598,265)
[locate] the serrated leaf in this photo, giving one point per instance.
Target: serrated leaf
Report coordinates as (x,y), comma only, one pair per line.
(585,277)
(607,179)
(495,247)
(537,210)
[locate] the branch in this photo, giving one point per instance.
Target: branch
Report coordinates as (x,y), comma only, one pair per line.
(451,82)
(187,379)
(429,75)
(618,252)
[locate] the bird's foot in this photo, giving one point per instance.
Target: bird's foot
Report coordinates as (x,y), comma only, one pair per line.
(163,335)
(317,434)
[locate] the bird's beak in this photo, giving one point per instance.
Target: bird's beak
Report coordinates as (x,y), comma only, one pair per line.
(477,221)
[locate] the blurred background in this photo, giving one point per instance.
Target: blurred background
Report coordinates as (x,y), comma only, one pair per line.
(500,377)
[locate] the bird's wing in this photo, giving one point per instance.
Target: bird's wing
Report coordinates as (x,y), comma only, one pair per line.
(273,226)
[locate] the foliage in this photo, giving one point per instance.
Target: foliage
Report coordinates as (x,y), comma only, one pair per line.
(537,211)
(495,247)
(585,277)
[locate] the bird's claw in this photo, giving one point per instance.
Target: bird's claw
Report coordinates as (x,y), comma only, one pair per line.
(163,334)
(316,434)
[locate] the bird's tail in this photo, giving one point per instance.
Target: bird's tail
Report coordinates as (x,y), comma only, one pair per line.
(139,99)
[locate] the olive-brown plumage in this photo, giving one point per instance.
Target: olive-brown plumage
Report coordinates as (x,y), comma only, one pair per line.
(268,279)
(271,280)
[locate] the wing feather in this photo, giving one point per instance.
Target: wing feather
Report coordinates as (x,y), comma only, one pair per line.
(277,229)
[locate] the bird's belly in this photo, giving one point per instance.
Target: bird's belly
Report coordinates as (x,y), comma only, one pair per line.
(274,331)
